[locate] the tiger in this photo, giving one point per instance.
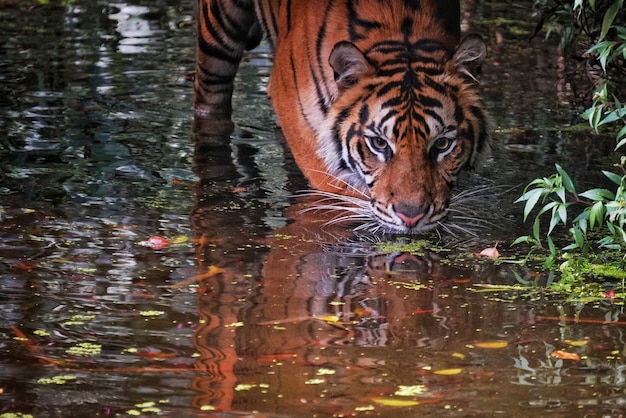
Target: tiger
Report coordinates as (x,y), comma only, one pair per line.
(378,99)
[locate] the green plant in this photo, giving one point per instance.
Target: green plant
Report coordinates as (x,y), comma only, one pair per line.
(599,219)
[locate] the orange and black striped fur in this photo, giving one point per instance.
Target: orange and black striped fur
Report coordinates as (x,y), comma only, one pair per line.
(377,99)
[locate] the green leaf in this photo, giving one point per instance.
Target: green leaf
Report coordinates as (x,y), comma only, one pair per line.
(578,236)
(549,206)
(595,118)
(613,116)
(582,224)
(603,56)
(621,137)
(609,17)
(551,246)
(536,230)
(567,181)
(531,200)
(623,235)
(596,214)
(525,195)
(611,227)
(562,210)
(549,262)
(554,220)
(570,247)
(615,178)
(560,192)
(519,240)
(598,194)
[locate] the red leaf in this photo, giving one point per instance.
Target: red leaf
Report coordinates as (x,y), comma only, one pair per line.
(24,266)
(491,252)
(157,243)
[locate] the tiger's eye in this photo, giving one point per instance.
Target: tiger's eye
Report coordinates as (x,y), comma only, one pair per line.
(378,143)
(442,144)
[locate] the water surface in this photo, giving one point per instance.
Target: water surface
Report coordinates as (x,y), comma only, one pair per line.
(248,306)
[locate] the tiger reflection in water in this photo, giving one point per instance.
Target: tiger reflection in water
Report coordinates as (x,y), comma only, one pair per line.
(304,295)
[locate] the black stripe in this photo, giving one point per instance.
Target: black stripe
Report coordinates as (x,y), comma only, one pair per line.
(434,115)
(387,87)
(414,5)
(364,114)
(356,24)
(407,27)
(323,96)
(388,115)
(459,113)
(268,22)
(219,53)
(234,27)
(360,152)
(429,82)
(429,101)
(339,121)
(296,84)
(216,27)
(288,16)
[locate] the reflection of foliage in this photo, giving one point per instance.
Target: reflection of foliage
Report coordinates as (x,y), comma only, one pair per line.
(552,371)
(601,223)
(548,372)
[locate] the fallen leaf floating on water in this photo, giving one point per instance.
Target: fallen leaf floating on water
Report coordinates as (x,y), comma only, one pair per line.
(491,344)
(155,354)
(423,311)
(491,252)
(155,242)
(23,265)
(395,402)
(211,271)
(565,355)
(448,372)
(576,343)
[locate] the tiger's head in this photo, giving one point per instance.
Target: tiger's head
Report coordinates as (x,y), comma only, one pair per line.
(403,123)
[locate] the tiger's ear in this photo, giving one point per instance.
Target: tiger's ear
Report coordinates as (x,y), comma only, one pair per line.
(469,55)
(348,64)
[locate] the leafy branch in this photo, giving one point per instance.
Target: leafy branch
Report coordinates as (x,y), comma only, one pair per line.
(603,212)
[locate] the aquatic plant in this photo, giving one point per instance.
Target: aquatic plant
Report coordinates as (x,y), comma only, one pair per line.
(596,217)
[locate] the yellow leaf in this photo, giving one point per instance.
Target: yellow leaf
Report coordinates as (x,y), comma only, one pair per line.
(576,343)
(459,355)
(564,355)
(395,402)
(492,344)
(448,372)
(180,239)
(329,318)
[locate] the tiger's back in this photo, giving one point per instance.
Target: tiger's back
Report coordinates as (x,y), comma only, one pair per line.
(377,103)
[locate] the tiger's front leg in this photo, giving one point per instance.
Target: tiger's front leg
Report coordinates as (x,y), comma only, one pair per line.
(224,29)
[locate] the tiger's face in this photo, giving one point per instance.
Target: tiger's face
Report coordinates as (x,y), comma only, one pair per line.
(405,127)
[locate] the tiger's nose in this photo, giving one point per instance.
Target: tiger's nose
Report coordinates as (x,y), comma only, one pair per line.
(410,215)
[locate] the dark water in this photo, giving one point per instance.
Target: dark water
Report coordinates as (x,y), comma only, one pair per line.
(254,308)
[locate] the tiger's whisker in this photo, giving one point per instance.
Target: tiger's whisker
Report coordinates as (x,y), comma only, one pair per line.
(343,182)
(461,229)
